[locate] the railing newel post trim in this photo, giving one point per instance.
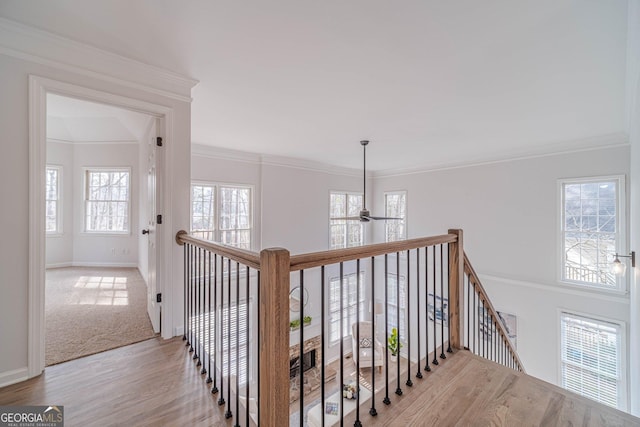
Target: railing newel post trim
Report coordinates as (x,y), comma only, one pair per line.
(274,336)
(456,283)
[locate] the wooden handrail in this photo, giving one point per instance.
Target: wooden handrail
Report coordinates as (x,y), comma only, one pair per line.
(247,258)
(317,259)
(468,269)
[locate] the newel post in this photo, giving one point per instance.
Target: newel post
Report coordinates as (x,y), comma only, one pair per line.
(456,282)
(274,337)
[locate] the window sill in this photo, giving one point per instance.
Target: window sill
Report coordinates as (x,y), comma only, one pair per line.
(55,234)
(593,288)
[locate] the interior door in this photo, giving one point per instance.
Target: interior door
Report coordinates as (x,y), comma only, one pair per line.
(153,306)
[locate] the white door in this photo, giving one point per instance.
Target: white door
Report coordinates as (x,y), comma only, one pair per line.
(153,306)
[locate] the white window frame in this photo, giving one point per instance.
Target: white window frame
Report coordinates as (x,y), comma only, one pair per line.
(216,233)
(349,309)
(620,234)
(620,329)
(85,188)
(348,224)
(204,234)
(391,294)
(391,223)
(59,216)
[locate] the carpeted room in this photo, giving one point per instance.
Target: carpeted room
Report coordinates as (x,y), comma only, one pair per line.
(90,310)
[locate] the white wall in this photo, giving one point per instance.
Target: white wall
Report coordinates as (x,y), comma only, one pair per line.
(75,246)
(14,186)
(509,214)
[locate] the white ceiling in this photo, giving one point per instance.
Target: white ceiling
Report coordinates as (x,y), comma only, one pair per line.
(429,82)
(75,120)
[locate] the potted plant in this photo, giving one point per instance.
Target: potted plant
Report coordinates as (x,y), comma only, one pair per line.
(393,344)
(294,324)
(307,320)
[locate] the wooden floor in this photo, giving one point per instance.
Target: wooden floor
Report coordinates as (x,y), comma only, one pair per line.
(155,383)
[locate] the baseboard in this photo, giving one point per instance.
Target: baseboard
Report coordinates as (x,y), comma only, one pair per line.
(15,376)
(105,264)
(59,265)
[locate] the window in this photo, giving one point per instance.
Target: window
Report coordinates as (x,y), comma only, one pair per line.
(53,221)
(230,353)
(345,233)
(107,200)
(222,213)
(591,230)
(203,211)
(591,359)
(392,305)
(395,206)
(350,305)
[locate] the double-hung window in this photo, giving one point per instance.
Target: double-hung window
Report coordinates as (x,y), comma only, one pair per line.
(53,182)
(222,213)
(345,233)
(395,206)
(350,304)
(106,199)
(591,365)
(396,306)
(234,322)
(591,230)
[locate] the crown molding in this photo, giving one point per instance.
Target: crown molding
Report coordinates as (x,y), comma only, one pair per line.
(309,165)
(218,153)
(210,152)
(601,142)
(42,47)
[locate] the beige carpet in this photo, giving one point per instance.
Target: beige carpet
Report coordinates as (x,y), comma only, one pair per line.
(89,310)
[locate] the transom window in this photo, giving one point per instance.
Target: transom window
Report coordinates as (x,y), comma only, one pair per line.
(591,363)
(222,213)
(350,304)
(53,183)
(395,206)
(107,200)
(591,230)
(345,233)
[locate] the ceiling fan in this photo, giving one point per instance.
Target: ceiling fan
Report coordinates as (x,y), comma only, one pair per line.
(365,215)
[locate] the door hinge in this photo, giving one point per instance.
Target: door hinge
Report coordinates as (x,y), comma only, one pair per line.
(159,219)
(159,141)
(158,297)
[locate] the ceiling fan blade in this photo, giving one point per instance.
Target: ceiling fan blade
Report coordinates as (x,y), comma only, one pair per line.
(377,218)
(347,218)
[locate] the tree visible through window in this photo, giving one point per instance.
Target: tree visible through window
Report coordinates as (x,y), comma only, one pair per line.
(52,199)
(222,213)
(107,200)
(393,305)
(590,357)
(345,233)
(591,222)
(395,206)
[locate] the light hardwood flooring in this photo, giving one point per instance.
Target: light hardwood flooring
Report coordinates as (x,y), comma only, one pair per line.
(155,383)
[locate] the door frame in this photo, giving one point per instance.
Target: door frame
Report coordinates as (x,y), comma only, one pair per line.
(39,87)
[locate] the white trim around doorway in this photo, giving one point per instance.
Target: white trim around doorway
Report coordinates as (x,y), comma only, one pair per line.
(39,87)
